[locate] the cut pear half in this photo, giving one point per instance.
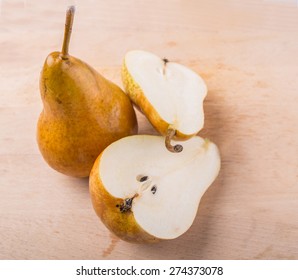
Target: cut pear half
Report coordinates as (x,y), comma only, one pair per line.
(142,192)
(169,94)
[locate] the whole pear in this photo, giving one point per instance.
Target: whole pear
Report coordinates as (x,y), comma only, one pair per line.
(83,112)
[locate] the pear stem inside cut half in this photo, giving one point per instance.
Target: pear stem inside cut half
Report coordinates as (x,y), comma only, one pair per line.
(67,32)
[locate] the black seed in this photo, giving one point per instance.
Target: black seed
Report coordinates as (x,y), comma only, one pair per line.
(154,189)
(144,178)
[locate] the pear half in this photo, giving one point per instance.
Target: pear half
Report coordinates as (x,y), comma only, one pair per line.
(169,94)
(143,193)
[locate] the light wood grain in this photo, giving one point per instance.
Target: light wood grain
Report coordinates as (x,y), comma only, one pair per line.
(247,51)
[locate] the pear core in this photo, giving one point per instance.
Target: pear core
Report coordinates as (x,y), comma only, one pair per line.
(165,188)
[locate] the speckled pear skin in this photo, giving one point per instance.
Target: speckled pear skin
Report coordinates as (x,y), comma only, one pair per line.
(83,113)
(124,224)
(137,96)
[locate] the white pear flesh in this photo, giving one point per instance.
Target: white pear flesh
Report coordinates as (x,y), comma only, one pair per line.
(180,180)
(174,91)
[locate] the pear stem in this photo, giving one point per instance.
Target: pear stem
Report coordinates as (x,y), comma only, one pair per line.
(174,149)
(165,61)
(67,31)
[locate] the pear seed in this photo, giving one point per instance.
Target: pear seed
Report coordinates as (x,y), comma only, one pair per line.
(154,189)
(142,178)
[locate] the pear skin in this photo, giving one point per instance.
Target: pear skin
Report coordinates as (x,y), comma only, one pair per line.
(106,207)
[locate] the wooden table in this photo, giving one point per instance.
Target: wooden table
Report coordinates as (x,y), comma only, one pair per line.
(247,51)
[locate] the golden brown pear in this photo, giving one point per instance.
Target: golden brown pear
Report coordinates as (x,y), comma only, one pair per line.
(83,112)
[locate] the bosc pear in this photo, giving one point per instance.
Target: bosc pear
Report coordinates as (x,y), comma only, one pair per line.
(169,94)
(83,112)
(144,193)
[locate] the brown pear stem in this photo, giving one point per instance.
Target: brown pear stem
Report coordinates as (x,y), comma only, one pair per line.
(67,32)
(174,149)
(165,61)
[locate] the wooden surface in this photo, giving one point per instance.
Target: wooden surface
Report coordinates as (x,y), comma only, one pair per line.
(247,51)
